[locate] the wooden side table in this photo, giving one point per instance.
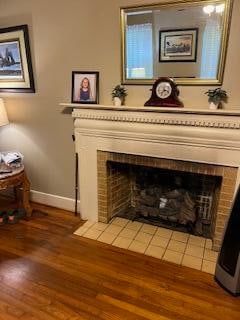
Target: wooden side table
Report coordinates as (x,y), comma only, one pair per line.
(18,179)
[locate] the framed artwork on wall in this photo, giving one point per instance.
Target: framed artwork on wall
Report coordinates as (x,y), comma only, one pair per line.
(85,87)
(16,73)
(178,45)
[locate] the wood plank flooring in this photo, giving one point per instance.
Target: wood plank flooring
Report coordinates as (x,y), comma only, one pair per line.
(48,273)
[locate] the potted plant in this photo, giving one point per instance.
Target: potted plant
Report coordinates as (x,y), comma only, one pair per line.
(215,97)
(119,94)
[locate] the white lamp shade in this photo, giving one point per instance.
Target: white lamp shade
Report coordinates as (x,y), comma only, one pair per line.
(3,114)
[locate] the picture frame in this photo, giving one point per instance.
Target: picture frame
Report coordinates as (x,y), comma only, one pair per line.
(178,45)
(85,87)
(16,72)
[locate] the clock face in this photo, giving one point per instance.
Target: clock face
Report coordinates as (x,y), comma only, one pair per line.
(163,90)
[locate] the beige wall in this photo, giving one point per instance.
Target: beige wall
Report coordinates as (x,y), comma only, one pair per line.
(76,35)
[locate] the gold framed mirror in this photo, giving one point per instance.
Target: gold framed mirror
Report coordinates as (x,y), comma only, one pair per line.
(184,40)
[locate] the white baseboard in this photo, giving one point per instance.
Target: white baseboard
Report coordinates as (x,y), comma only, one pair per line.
(53,200)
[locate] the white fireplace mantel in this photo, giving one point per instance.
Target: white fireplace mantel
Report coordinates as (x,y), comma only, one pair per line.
(203,136)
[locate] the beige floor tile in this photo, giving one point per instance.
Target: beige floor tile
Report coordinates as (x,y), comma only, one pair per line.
(208,244)
(113,229)
(155,251)
(192,262)
(99,226)
(197,241)
(134,225)
(180,236)
(208,266)
(120,221)
(92,234)
(143,237)
(194,251)
(138,246)
(177,246)
(128,233)
(107,237)
(149,228)
(122,242)
(210,255)
(159,241)
(88,224)
(80,231)
(163,232)
(173,256)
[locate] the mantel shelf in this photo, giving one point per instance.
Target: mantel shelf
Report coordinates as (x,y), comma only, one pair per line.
(219,112)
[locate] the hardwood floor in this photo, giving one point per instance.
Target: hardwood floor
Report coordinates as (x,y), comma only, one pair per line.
(48,273)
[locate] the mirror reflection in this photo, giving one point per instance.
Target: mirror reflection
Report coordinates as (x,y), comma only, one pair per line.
(181,40)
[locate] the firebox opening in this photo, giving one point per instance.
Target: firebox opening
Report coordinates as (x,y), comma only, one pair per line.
(182,201)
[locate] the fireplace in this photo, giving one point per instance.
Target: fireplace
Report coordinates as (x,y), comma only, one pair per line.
(187,142)
(184,196)
(178,200)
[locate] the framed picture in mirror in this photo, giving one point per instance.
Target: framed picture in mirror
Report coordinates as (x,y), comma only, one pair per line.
(178,45)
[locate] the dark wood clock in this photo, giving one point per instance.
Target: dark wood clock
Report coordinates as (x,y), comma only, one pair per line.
(164,94)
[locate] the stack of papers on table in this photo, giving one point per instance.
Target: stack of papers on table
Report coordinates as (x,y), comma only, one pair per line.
(13,159)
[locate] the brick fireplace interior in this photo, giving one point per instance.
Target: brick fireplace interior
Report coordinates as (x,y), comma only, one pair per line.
(181,195)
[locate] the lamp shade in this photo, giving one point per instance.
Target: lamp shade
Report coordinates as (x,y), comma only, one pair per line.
(3,114)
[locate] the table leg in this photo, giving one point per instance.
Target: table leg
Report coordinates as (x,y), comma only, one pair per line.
(15,192)
(26,191)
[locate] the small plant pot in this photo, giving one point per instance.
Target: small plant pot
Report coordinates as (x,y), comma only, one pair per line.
(13,216)
(117,102)
(213,106)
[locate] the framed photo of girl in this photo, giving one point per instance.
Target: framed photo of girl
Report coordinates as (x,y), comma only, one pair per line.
(85,87)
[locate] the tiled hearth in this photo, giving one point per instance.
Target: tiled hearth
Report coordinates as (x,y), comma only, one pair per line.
(180,248)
